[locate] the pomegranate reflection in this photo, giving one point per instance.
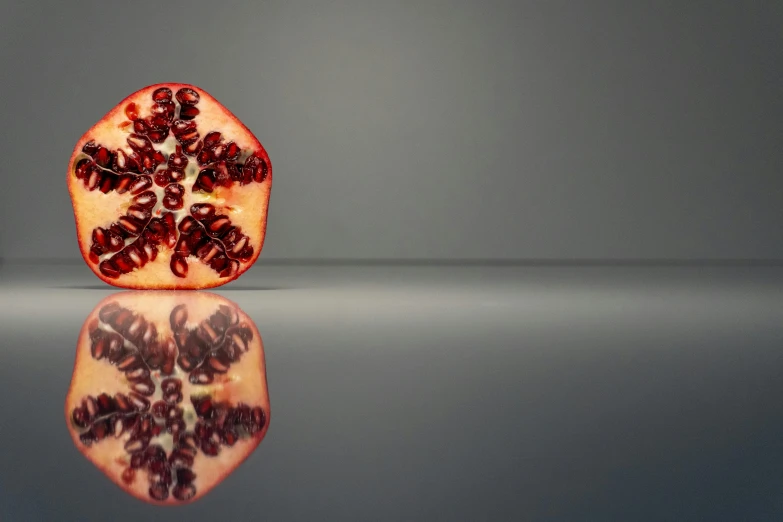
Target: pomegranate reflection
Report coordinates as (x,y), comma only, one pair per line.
(168,394)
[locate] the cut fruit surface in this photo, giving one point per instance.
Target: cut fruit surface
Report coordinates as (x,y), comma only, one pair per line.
(168,394)
(169,191)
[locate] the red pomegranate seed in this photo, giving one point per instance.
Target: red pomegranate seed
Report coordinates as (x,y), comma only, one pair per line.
(161,94)
(187,96)
(179,266)
(131,111)
(188,112)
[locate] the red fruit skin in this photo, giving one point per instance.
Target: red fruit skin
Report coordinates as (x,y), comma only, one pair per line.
(83,351)
(117,113)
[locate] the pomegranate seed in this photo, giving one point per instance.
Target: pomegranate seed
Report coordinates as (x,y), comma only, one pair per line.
(222,176)
(146,199)
(115,241)
(139,213)
(134,162)
(209,448)
(186,226)
(211,139)
(178,160)
(158,109)
(175,426)
(158,136)
(158,123)
(182,126)
(105,404)
(205,156)
(205,181)
(90,147)
(161,94)
(200,376)
(159,491)
(168,386)
(239,245)
(107,182)
(231,270)
(100,429)
(122,402)
(202,210)
(103,157)
(234,171)
(218,225)
(136,255)
(206,332)
(129,362)
(261,173)
(99,237)
(128,475)
(175,189)
(162,178)
(184,490)
(145,388)
(180,459)
(208,251)
(109,269)
(179,266)
(120,161)
(219,362)
(160,410)
(139,143)
(173,202)
(129,224)
(168,220)
(188,112)
(158,157)
(188,137)
(83,168)
(122,183)
(150,251)
(80,417)
(140,127)
(139,402)
(98,348)
(185,362)
(232,151)
(131,111)
(187,96)
(141,183)
(183,247)
(94,178)
(192,149)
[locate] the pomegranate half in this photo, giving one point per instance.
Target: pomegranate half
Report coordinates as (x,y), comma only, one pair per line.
(168,394)
(169,191)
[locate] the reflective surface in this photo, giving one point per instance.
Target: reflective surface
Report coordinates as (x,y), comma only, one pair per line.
(448,393)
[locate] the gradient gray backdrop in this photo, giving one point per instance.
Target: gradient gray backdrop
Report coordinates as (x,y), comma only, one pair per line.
(431,129)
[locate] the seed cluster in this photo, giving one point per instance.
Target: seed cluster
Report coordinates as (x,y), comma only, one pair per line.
(135,172)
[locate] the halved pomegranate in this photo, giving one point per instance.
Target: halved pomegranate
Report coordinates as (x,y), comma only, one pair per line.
(169,191)
(168,394)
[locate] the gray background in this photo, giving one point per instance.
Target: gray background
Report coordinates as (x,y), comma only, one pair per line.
(431,129)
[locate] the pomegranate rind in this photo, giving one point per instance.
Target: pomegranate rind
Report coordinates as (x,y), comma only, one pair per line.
(91,377)
(93,208)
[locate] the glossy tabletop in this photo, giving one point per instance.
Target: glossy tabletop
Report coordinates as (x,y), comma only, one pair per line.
(446,393)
